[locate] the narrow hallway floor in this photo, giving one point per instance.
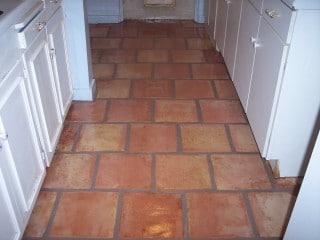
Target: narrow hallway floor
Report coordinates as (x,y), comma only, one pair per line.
(165,151)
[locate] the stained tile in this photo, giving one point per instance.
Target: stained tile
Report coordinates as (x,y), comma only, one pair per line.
(182,172)
(85,215)
(213,56)
(40,216)
(209,71)
(149,215)
(137,43)
(175,111)
(271,211)
(153,89)
(188,56)
(105,43)
(152,32)
(122,31)
(156,56)
(237,171)
(242,138)
(67,138)
(103,70)
(183,33)
(133,70)
(172,71)
(204,138)
(113,89)
(288,182)
(98,31)
(153,138)
(225,89)
(124,171)
(118,56)
(217,215)
(193,89)
(73,171)
(95,56)
(199,43)
(170,43)
(222,111)
(130,111)
(87,111)
(102,137)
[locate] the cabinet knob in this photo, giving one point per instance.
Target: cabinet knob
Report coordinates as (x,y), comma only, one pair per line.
(4,136)
(39,26)
(272,13)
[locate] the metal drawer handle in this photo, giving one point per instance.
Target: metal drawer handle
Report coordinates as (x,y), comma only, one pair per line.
(4,136)
(39,26)
(272,13)
(53,1)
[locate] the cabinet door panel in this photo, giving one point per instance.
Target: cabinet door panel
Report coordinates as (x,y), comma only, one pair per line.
(58,47)
(221,24)
(266,78)
(44,92)
(249,27)
(232,31)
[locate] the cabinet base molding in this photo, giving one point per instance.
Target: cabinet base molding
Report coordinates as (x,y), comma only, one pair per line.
(274,165)
(85,94)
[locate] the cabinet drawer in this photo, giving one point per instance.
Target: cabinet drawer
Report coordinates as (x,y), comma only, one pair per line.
(30,32)
(257,4)
(280,18)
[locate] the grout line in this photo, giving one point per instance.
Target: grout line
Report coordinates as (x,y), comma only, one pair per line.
(185,220)
(153,184)
(179,139)
(128,136)
(116,229)
(76,138)
(233,149)
(153,111)
(250,214)
(199,111)
(95,171)
(107,110)
(214,89)
(211,172)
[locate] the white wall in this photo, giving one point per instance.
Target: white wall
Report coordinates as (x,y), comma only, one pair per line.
(134,9)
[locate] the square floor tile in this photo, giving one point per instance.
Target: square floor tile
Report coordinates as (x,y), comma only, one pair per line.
(113,89)
(124,171)
(118,56)
(95,55)
(41,213)
(152,32)
(172,71)
(293,183)
(97,31)
(271,211)
(217,215)
(85,215)
(130,111)
(188,56)
(68,137)
(176,111)
(153,89)
(149,215)
(183,33)
(213,56)
(222,111)
(70,171)
(182,172)
(122,31)
(170,43)
(133,70)
(225,89)
(105,43)
(153,138)
(87,111)
(153,56)
(193,89)
(209,71)
(102,71)
(199,43)
(204,138)
(102,137)
(240,171)
(242,138)
(137,43)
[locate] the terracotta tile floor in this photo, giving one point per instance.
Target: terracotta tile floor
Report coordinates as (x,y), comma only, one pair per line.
(165,151)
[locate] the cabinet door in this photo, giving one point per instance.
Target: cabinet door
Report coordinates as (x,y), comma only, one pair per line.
(249,26)
(266,78)
(221,24)
(232,31)
(21,161)
(43,90)
(60,62)
(212,18)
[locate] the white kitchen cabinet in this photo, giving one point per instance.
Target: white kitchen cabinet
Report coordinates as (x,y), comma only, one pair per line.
(101,11)
(248,34)
(221,24)
(44,94)
(59,59)
(232,32)
(21,167)
(266,78)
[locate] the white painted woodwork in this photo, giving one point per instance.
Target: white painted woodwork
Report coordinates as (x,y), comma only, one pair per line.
(221,24)
(101,11)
